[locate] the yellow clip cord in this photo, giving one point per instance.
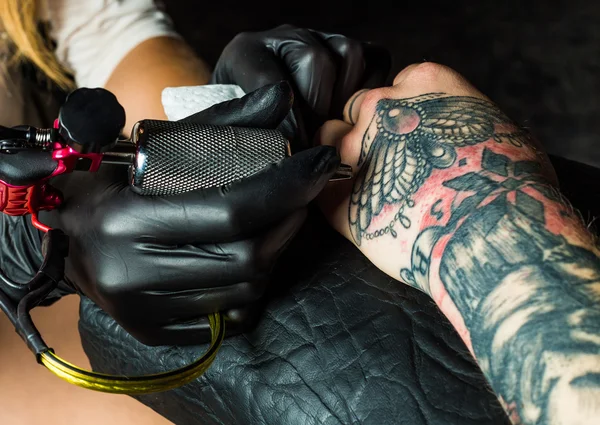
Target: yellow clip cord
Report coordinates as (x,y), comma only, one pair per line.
(144,384)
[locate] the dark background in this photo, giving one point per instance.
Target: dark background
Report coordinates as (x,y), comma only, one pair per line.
(539,60)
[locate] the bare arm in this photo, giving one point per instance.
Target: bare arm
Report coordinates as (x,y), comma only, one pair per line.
(141,76)
(129,47)
(453,198)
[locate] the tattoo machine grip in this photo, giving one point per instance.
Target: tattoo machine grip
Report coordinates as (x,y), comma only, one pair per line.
(173,157)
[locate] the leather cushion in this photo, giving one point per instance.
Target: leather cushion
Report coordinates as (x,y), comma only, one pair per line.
(339,343)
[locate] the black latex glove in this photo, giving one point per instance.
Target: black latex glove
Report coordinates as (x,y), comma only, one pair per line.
(324,69)
(159,265)
(21,257)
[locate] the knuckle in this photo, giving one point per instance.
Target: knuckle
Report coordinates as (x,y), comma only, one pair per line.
(349,47)
(405,71)
(109,222)
(243,35)
(317,55)
(429,70)
(109,288)
(254,290)
(370,100)
(285,27)
(252,261)
(231,220)
(240,39)
(109,228)
(426,72)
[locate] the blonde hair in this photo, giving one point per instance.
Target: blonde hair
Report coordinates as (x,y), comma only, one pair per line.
(20,20)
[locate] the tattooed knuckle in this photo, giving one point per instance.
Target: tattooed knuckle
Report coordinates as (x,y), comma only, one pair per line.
(370,100)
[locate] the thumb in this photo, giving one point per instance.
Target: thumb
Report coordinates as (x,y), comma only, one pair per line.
(265,107)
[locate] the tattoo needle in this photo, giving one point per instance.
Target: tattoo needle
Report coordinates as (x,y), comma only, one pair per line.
(344,172)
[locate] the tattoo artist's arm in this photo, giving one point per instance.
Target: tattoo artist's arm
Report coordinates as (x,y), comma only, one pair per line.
(141,76)
(453,198)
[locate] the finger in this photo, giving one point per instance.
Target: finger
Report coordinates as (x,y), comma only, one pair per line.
(332,132)
(189,304)
(351,67)
(360,108)
(352,107)
(260,66)
(237,209)
(171,270)
(401,76)
(197,330)
(257,68)
(292,128)
(265,107)
(312,69)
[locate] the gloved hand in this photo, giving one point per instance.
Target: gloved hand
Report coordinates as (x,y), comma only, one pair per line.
(324,70)
(159,265)
(21,257)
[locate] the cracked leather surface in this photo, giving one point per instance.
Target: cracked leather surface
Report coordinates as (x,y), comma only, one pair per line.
(339,343)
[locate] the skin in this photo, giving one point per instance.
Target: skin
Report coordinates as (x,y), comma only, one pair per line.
(167,62)
(453,198)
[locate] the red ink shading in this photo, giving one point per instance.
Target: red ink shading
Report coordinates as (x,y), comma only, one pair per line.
(441,296)
(512,197)
(439,248)
(433,189)
(511,411)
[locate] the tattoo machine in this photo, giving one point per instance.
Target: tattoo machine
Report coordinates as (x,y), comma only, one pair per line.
(164,158)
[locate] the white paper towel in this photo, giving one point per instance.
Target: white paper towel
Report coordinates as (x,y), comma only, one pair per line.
(181,102)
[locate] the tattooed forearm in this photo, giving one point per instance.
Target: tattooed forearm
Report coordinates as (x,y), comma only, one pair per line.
(500,248)
(530,299)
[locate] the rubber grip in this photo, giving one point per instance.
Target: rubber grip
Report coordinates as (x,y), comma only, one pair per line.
(174,157)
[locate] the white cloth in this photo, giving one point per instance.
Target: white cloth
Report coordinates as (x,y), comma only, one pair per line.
(93,36)
(181,102)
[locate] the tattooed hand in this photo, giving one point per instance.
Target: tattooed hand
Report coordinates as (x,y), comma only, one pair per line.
(452,197)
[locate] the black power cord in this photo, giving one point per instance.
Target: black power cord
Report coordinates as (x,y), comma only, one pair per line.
(55,247)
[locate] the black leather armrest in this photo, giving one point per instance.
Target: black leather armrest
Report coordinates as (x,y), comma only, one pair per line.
(339,343)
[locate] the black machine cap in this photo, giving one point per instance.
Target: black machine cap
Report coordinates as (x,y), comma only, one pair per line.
(91,120)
